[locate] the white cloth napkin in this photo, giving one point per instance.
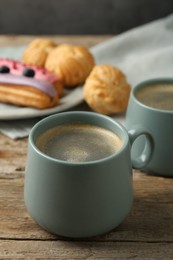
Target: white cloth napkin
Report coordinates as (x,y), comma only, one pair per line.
(141,53)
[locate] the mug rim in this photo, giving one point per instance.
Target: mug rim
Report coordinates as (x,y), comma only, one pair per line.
(38,125)
(145,83)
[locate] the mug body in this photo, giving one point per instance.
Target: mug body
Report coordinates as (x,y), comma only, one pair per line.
(160,124)
(78,199)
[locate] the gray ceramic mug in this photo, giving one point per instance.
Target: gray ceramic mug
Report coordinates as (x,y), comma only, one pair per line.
(159,122)
(87,198)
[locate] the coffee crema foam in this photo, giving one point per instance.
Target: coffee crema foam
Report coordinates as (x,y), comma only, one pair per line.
(158,96)
(78,142)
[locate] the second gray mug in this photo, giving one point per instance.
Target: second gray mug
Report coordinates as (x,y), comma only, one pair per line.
(158,121)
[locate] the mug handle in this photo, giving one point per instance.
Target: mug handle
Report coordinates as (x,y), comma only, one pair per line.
(142,160)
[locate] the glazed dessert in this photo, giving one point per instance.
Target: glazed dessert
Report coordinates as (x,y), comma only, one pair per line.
(106,90)
(28,86)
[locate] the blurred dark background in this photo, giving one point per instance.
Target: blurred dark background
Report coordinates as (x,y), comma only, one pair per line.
(78,16)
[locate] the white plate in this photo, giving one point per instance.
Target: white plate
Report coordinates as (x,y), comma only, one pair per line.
(7,112)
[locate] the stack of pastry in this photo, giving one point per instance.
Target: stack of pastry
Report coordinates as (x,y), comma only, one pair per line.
(106,89)
(39,81)
(72,63)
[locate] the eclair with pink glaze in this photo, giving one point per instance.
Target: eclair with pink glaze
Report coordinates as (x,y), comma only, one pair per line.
(28,86)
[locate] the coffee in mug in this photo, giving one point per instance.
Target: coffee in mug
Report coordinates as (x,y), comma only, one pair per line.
(159,96)
(81,196)
(78,142)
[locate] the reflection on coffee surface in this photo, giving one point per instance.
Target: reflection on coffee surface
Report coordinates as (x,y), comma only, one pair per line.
(158,96)
(78,142)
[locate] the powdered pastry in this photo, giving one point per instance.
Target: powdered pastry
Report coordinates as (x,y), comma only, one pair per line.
(106,90)
(71,63)
(37,51)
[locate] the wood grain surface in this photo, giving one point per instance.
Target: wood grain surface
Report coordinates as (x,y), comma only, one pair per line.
(147,232)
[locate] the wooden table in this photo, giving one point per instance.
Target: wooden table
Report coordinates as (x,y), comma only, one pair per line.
(147,232)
